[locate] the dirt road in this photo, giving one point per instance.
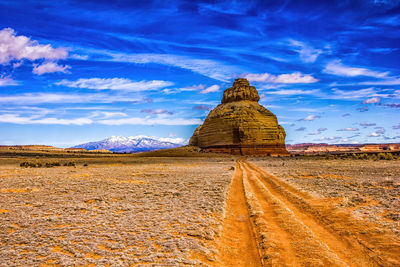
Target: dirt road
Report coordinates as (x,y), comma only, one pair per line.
(281,226)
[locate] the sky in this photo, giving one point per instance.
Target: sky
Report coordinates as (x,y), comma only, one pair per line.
(78,71)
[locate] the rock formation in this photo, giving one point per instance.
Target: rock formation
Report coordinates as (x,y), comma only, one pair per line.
(240,126)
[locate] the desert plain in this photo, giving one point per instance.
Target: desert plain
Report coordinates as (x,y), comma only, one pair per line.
(198,209)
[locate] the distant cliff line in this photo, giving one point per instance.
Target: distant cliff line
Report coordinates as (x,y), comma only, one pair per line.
(311,148)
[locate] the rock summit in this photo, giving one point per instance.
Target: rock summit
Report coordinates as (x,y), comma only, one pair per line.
(240,125)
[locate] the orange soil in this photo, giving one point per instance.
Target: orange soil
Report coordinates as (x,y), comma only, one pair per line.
(237,244)
(282,226)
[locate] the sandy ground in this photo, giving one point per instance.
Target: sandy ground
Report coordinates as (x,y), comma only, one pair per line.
(150,211)
(369,189)
(200,211)
(293,228)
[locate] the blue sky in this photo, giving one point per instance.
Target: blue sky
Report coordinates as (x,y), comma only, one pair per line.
(79,71)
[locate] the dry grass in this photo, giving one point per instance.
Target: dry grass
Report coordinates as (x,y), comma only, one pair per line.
(149,211)
(161,208)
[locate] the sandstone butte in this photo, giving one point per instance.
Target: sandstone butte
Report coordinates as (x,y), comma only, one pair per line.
(240,125)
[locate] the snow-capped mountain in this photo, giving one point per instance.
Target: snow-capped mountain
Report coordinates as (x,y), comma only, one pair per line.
(133,144)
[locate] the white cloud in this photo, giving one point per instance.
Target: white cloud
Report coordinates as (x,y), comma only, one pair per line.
(6,81)
(355,94)
(17,119)
(366,124)
(206,67)
(319,131)
(349,129)
(372,100)
(151,121)
(294,92)
(176,140)
(49,67)
(374,134)
(211,89)
(336,67)
(310,118)
(39,119)
(108,114)
(388,81)
(157,111)
(295,77)
(331,138)
(80,57)
(13,47)
(40,98)
(115,84)
(307,53)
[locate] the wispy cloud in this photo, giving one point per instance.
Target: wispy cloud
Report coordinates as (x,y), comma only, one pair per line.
(115,84)
(365,124)
(356,95)
(211,89)
(372,100)
(17,119)
(202,107)
(392,105)
(33,119)
(349,129)
(49,67)
(307,53)
(319,131)
(157,111)
(300,129)
(310,118)
(374,134)
(295,77)
(7,81)
(151,121)
(363,109)
(206,67)
(294,92)
(330,138)
(52,98)
(336,67)
(391,138)
(107,114)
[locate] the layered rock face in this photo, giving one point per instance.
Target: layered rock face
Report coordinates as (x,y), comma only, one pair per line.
(241,126)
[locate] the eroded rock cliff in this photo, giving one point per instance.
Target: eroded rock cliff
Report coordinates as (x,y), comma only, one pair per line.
(240,125)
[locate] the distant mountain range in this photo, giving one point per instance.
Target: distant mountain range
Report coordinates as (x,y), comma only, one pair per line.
(123,144)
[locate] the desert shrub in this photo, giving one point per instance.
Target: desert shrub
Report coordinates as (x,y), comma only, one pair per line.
(385,156)
(70,164)
(52,164)
(373,156)
(85,165)
(24,164)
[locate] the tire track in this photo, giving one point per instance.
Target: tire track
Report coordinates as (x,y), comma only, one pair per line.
(237,245)
(270,223)
(356,242)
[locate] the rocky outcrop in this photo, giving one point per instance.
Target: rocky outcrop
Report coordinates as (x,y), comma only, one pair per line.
(239,125)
